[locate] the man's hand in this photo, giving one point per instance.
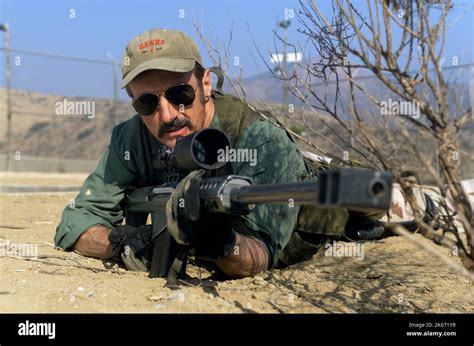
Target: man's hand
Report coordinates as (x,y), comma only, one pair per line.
(184,208)
(210,236)
(132,246)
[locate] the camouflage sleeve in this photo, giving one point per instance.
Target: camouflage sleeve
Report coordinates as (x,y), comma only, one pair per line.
(98,202)
(276,159)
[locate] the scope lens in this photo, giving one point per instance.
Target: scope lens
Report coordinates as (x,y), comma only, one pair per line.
(199,151)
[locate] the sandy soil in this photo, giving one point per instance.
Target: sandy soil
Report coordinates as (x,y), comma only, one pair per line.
(394,276)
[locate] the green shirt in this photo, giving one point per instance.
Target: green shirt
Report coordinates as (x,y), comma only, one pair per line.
(127,163)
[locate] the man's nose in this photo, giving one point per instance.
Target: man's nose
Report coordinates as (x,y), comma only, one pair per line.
(165,110)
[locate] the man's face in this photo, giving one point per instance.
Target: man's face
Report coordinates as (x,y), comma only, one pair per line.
(170,121)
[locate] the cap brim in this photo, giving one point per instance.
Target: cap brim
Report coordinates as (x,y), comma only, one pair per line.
(166,64)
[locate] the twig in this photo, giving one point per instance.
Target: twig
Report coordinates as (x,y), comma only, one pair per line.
(61,265)
(275,305)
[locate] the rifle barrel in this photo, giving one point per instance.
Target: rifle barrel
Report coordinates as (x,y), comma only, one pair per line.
(347,188)
(298,192)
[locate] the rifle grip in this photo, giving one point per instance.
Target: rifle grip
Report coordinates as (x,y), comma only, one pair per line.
(165,250)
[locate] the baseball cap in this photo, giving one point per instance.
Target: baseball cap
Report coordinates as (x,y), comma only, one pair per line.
(159,49)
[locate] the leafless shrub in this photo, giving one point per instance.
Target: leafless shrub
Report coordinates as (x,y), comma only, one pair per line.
(400,45)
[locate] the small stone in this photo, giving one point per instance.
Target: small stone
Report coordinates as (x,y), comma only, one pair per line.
(80,289)
(72,298)
(258,280)
(276,277)
(155,298)
(374,275)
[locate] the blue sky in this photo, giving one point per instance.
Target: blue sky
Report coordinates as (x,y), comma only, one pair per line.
(101,27)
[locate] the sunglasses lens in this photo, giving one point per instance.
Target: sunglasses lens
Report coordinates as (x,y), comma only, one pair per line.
(182,94)
(145,104)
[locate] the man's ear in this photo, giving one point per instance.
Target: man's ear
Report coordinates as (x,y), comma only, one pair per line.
(207,84)
(129,90)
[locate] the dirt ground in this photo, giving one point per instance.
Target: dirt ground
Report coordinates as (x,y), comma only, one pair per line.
(393,276)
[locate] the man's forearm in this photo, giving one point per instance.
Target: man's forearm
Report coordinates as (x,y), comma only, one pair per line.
(249,257)
(95,243)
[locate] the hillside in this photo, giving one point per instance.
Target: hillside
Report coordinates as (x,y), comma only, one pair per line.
(38,131)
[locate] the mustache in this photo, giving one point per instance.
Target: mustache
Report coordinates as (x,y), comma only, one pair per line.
(176,124)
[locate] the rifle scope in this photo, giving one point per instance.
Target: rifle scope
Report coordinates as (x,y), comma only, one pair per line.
(201,149)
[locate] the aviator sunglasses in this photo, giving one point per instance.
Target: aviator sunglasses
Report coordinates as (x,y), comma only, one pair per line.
(181,94)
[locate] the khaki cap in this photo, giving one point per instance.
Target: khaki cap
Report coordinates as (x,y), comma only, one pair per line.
(159,49)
